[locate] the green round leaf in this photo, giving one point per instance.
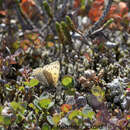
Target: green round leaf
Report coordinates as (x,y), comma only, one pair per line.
(45,103)
(98,92)
(32,83)
(67,81)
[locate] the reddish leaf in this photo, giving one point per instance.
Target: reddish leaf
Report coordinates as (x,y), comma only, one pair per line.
(66,107)
(3,13)
(128,89)
(88,57)
(50,44)
(123,8)
(37,43)
(28,7)
(11,59)
(95,12)
(98,121)
(98,115)
(98,4)
(117,11)
(76,3)
(25,44)
(128,117)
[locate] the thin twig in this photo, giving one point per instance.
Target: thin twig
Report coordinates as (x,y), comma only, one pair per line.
(44,27)
(42,10)
(21,18)
(97,24)
(32,24)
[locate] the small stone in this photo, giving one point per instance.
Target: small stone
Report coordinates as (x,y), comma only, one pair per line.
(64,121)
(90,73)
(76,57)
(93,102)
(2,25)
(116,99)
(13,21)
(110,44)
(124,104)
(70,100)
(84,20)
(81,101)
(20,34)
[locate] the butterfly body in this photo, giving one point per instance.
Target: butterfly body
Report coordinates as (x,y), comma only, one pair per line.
(49,72)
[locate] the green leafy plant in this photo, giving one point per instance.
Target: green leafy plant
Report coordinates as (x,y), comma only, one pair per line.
(45,103)
(32,83)
(98,92)
(60,32)
(67,81)
(70,24)
(47,9)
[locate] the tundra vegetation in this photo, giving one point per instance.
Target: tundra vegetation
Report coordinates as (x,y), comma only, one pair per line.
(64,64)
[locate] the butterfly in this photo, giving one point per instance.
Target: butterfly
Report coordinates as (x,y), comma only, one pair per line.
(49,73)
